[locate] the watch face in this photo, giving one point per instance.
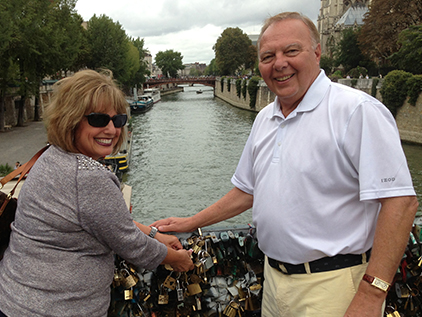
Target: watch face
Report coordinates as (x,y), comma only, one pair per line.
(380,284)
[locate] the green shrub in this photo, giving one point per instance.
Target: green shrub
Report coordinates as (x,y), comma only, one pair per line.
(354,82)
(252,90)
(394,91)
(374,87)
(414,88)
(238,87)
(244,88)
(222,83)
(228,84)
(5,169)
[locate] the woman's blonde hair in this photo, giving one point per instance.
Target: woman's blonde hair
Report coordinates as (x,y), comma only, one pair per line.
(74,97)
(291,15)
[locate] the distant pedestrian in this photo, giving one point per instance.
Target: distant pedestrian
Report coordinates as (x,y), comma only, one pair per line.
(17,164)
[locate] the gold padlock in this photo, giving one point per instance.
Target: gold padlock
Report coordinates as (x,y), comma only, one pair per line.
(163,297)
(128,279)
(128,294)
(231,309)
(194,289)
(170,282)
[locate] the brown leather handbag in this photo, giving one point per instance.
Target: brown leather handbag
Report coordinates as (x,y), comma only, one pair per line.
(8,203)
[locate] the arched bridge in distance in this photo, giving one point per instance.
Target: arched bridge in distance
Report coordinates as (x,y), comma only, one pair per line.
(207,81)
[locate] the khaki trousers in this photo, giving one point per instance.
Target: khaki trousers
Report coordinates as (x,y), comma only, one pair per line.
(325,294)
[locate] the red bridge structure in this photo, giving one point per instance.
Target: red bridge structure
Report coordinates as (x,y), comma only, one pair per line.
(171,82)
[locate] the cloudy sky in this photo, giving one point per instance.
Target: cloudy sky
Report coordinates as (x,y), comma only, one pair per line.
(190,27)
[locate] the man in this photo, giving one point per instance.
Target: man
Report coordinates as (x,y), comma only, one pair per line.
(328,181)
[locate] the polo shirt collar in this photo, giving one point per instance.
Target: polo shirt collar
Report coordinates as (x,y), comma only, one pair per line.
(312,98)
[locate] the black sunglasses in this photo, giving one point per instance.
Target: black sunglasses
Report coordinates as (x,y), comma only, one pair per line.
(101,120)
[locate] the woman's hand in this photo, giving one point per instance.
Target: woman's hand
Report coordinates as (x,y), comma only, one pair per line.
(170,241)
(179,260)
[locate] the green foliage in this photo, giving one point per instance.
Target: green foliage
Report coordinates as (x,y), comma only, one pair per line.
(244,88)
(327,64)
(414,88)
(222,83)
(394,90)
(354,82)
(335,77)
(374,87)
(228,84)
(348,52)
(5,169)
(409,57)
(169,62)
(211,69)
(238,87)
(252,90)
(232,51)
(358,72)
(109,47)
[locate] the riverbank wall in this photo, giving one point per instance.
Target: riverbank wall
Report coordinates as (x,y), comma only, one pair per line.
(409,118)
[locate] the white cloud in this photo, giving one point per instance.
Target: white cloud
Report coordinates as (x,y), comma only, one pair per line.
(190,26)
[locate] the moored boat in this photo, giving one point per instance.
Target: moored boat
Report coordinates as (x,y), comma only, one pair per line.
(143,104)
(154,93)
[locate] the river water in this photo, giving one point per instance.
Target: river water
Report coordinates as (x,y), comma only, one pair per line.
(186,149)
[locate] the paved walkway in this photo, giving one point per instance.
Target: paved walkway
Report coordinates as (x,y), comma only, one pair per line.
(21,143)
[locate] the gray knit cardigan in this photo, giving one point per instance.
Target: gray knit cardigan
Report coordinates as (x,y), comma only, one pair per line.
(71,219)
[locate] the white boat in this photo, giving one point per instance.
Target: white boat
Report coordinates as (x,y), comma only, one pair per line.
(154,93)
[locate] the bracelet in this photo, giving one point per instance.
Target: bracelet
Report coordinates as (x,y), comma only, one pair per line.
(377,282)
(153,232)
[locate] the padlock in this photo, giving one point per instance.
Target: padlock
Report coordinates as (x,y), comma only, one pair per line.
(194,289)
(170,282)
(230,310)
(117,278)
(128,279)
(180,292)
(163,297)
(128,293)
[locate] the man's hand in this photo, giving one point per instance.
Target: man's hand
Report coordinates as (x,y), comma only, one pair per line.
(173,224)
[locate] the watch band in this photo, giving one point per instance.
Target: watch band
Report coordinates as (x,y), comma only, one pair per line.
(153,232)
(377,282)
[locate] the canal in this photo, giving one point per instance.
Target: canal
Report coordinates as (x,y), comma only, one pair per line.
(186,149)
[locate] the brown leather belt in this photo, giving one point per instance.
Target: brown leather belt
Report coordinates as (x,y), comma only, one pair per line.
(336,262)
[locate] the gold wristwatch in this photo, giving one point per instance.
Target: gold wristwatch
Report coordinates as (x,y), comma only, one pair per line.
(377,282)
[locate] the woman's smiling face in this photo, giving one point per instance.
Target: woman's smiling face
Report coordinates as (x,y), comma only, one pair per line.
(96,142)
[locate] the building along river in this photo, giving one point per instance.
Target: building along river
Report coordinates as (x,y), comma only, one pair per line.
(185,151)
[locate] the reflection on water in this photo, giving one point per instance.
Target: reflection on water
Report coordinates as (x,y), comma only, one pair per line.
(186,149)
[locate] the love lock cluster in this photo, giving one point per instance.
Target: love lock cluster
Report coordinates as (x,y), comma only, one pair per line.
(404,297)
(226,281)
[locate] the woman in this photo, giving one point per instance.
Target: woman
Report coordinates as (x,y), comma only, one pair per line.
(71,216)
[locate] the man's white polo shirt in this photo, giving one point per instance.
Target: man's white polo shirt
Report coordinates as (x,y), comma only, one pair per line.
(317,174)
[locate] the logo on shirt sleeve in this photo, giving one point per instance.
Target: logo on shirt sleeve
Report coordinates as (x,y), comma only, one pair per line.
(388,180)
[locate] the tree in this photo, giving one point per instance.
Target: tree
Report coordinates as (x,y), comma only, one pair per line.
(348,52)
(140,75)
(383,24)
(409,57)
(5,58)
(109,47)
(33,45)
(232,51)
(211,69)
(169,62)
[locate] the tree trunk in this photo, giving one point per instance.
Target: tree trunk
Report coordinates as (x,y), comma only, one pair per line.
(21,104)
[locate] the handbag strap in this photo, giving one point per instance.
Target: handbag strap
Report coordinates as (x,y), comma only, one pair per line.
(23,170)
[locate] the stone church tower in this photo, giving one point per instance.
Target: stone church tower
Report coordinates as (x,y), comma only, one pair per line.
(336,15)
